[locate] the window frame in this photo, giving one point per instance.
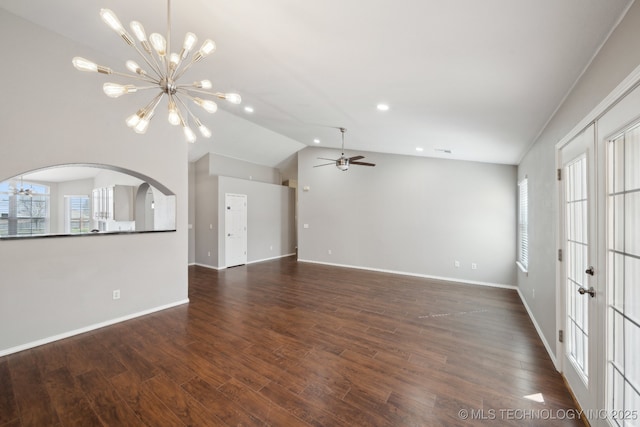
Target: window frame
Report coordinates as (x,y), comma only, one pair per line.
(522,256)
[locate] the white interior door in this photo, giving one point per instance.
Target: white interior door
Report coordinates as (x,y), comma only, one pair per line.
(235,228)
(579,270)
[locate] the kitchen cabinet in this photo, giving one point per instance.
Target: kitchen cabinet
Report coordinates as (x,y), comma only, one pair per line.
(113,203)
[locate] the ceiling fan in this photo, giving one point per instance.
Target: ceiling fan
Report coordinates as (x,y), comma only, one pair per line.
(23,191)
(343,162)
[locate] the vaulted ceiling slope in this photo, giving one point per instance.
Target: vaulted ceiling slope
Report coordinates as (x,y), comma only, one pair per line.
(478,78)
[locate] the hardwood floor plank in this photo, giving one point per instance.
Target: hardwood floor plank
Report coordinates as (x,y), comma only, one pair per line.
(285,343)
(144,403)
(181,403)
(70,402)
(106,402)
(8,407)
(32,398)
(211,398)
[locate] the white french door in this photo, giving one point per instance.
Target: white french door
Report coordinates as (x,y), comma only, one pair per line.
(579,271)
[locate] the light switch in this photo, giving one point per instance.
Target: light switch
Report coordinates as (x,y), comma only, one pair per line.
(306,226)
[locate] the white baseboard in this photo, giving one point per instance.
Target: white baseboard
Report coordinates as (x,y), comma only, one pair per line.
(540,334)
(248,262)
(270,259)
(89,328)
(426,276)
(213,267)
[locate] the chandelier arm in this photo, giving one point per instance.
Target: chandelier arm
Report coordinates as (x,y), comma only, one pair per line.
(186,107)
(154,66)
(155,103)
(186,89)
(148,79)
(184,70)
(168,36)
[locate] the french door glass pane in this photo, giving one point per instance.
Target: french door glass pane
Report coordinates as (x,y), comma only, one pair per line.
(576,223)
(623,279)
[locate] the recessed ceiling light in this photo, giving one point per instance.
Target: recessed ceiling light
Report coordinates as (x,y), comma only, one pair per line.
(316,140)
(419,149)
(248,109)
(382,107)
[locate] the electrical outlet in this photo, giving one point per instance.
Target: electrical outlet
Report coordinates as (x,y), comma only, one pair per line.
(533,293)
(116,294)
(456,263)
(329,251)
(209,253)
(474,266)
(271,247)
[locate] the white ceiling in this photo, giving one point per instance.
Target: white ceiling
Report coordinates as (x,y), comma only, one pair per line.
(478,77)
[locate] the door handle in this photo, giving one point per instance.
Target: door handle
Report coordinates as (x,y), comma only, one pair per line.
(590,271)
(589,291)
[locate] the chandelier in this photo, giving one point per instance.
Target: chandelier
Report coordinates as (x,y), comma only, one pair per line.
(164,70)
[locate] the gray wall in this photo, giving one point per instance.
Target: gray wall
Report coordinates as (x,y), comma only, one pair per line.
(192,213)
(228,166)
(410,214)
(270,213)
(270,218)
(54,287)
(619,56)
(205,229)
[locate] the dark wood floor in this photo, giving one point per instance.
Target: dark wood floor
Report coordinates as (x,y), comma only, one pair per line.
(283,343)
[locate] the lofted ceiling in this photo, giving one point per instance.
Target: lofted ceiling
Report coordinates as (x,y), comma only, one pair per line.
(479,78)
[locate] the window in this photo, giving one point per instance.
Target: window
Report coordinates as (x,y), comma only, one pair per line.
(78,214)
(24,209)
(523,224)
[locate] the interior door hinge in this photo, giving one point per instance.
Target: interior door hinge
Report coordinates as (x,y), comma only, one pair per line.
(560,335)
(559,174)
(559,254)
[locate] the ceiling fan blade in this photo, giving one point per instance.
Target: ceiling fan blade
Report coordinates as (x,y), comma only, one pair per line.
(362,163)
(325,164)
(324,158)
(351,159)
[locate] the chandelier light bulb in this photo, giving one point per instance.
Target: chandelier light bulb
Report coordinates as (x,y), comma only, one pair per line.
(142,126)
(233,98)
(174,116)
(174,60)
(190,40)
(138,31)
(135,68)
(114,90)
(133,120)
(202,128)
(208,105)
(189,135)
(83,64)
(203,84)
(207,47)
(159,44)
(112,20)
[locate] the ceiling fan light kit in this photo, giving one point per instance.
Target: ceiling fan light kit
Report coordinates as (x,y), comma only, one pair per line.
(164,70)
(343,162)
